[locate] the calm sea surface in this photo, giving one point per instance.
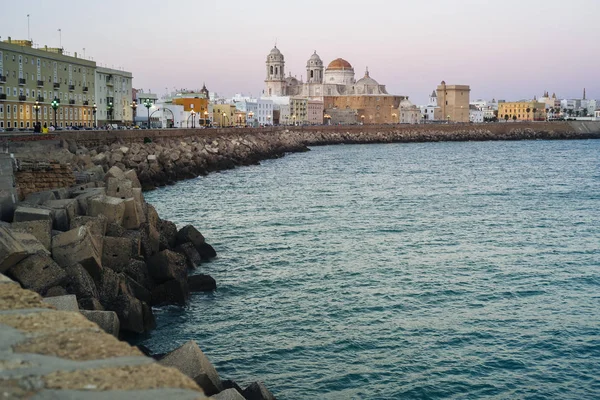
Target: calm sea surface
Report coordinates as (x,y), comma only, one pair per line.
(400,271)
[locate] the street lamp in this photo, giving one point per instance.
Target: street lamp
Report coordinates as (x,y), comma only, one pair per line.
(133,111)
(251,115)
(148,105)
(55,104)
(193,118)
(94,110)
(448,118)
(205,117)
(362,119)
(36,107)
(394,115)
(109,108)
(328,118)
(268,120)
(223,121)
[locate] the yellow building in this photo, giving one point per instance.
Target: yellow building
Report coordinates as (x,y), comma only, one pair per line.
(522,111)
(31,78)
(197,104)
(453,103)
(224,115)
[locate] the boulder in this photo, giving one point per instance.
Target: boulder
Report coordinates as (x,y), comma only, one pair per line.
(97,225)
(114,172)
(170,292)
(41,229)
(96,172)
(130,312)
(131,216)
(148,315)
(38,198)
(228,394)
(192,256)
(137,270)
(80,283)
(230,384)
(168,233)
(108,321)
(139,203)
(56,291)
(167,265)
(63,303)
(132,176)
(11,250)
(136,242)
(111,207)
(61,193)
(25,213)
(257,391)
(140,292)
(116,252)
(118,188)
(201,283)
(82,197)
(189,234)
(90,303)
(150,239)
(30,242)
(78,246)
(191,361)
(38,272)
(115,230)
(108,287)
(206,251)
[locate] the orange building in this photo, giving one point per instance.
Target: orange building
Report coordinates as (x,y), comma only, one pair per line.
(197,104)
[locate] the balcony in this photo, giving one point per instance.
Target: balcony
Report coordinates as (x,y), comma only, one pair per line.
(56,85)
(85,89)
(40,99)
(86,103)
(22,81)
(2,96)
(40,83)
(71,88)
(71,102)
(2,78)
(22,97)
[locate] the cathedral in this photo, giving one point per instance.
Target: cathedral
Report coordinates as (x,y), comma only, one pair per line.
(364,99)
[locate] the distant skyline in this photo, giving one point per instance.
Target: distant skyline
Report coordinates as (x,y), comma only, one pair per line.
(507,50)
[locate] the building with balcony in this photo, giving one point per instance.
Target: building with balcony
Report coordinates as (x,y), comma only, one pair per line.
(29,75)
(113,93)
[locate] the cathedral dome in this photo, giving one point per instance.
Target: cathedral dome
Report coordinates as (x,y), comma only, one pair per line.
(275,55)
(339,63)
(314,61)
(367,80)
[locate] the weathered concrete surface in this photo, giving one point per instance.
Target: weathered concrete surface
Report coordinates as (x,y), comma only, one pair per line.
(49,354)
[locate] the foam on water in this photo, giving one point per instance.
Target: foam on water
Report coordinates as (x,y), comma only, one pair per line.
(400,271)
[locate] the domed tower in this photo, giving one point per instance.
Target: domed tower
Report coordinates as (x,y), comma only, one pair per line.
(339,72)
(275,82)
(314,69)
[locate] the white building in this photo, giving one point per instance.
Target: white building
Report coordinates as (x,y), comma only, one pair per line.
(428,111)
(113,96)
(141,111)
(476,114)
(264,111)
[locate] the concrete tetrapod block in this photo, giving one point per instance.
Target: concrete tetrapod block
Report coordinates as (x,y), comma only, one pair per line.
(39,273)
(189,234)
(78,246)
(107,320)
(40,197)
(131,217)
(201,283)
(111,207)
(192,256)
(11,250)
(65,211)
(118,188)
(63,303)
(228,394)
(114,172)
(82,197)
(80,283)
(30,242)
(257,391)
(190,360)
(167,265)
(24,213)
(116,252)
(41,229)
(132,176)
(139,203)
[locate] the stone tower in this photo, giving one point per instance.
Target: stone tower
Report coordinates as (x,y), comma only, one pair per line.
(314,69)
(275,82)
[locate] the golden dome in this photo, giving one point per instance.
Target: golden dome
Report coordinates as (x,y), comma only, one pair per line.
(339,63)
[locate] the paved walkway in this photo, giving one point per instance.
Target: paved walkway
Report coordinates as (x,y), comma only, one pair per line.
(50,354)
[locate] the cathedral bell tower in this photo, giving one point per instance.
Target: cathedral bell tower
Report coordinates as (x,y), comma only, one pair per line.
(275,82)
(314,69)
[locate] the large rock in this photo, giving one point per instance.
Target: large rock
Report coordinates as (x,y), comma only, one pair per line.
(136,242)
(64,212)
(118,188)
(11,250)
(168,233)
(201,283)
(30,242)
(78,246)
(140,292)
(41,229)
(25,213)
(170,292)
(130,312)
(39,273)
(257,391)
(114,172)
(63,303)
(90,304)
(40,197)
(192,256)
(111,207)
(132,176)
(116,253)
(167,265)
(107,320)
(149,320)
(97,225)
(108,287)
(80,283)
(150,240)
(189,234)
(82,196)
(131,216)
(139,203)
(206,251)
(191,361)
(137,270)
(228,394)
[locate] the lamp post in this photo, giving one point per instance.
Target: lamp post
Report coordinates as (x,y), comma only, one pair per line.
(268,120)
(36,107)
(133,111)
(251,115)
(294,120)
(394,115)
(205,118)
(193,118)
(109,108)
(223,120)
(362,119)
(55,104)
(148,105)
(328,118)
(94,110)
(448,118)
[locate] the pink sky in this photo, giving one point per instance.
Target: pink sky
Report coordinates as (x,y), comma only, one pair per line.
(507,49)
